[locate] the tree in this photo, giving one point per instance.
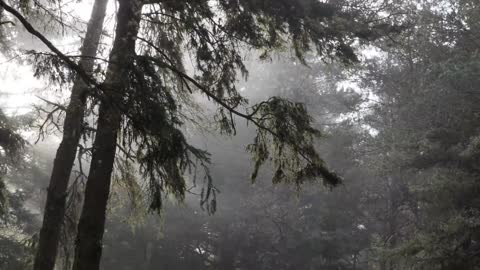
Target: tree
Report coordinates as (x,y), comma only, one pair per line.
(18,168)
(150,86)
(160,147)
(425,87)
(11,144)
(260,226)
(65,157)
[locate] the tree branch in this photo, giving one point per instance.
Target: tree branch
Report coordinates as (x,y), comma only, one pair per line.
(60,106)
(327,174)
(80,71)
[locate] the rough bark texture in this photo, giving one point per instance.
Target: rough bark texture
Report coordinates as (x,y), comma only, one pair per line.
(92,221)
(65,157)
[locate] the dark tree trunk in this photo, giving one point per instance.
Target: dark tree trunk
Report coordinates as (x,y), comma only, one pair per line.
(65,157)
(92,221)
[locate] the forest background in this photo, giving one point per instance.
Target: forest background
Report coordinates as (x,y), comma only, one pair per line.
(396,107)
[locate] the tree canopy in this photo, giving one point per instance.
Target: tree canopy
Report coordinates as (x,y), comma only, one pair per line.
(377,99)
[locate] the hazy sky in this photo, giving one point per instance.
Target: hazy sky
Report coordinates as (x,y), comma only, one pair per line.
(17,83)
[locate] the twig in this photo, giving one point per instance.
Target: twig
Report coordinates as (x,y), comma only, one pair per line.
(47,43)
(60,106)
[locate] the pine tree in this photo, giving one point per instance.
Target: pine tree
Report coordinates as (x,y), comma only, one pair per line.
(146,89)
(74,116)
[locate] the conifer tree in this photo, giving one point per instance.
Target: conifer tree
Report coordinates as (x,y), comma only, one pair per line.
(142,97)
(147,88)
(72,130)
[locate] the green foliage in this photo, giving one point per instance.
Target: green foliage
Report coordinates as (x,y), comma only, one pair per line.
(16,245)
(17,223)
(425,149)
(151,135)
(214,36)
(10,142)
(11,145)
(51,67)
(272,226)
(286,139)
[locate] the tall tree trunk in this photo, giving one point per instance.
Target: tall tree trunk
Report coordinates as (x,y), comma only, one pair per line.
(92,221)
(65,157)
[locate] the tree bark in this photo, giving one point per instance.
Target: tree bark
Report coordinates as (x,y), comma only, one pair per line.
(56,195)
(92,221)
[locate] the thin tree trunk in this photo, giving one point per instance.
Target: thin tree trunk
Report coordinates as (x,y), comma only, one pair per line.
(56,196)
(92,221)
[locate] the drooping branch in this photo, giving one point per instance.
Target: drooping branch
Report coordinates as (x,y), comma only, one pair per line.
(306,154)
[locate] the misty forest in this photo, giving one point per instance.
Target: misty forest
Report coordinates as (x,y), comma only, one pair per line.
(240,134)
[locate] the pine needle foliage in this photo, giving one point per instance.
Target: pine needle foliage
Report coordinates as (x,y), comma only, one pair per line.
(50,67)
(285,137)
(213,35)
(11,144)
(152,134)
(10,141)
(158,81)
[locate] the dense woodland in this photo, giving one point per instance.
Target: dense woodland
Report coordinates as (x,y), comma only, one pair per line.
(240,135)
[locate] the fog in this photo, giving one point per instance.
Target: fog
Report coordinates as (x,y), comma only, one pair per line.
(240,135)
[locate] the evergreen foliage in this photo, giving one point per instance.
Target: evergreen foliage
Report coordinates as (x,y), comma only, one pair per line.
(406,142)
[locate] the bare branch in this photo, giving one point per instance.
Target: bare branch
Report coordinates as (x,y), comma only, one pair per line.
(7,22)
(49,120)
(58,105)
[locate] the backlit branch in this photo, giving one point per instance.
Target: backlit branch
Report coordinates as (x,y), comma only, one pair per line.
(77,68)
(326,173)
